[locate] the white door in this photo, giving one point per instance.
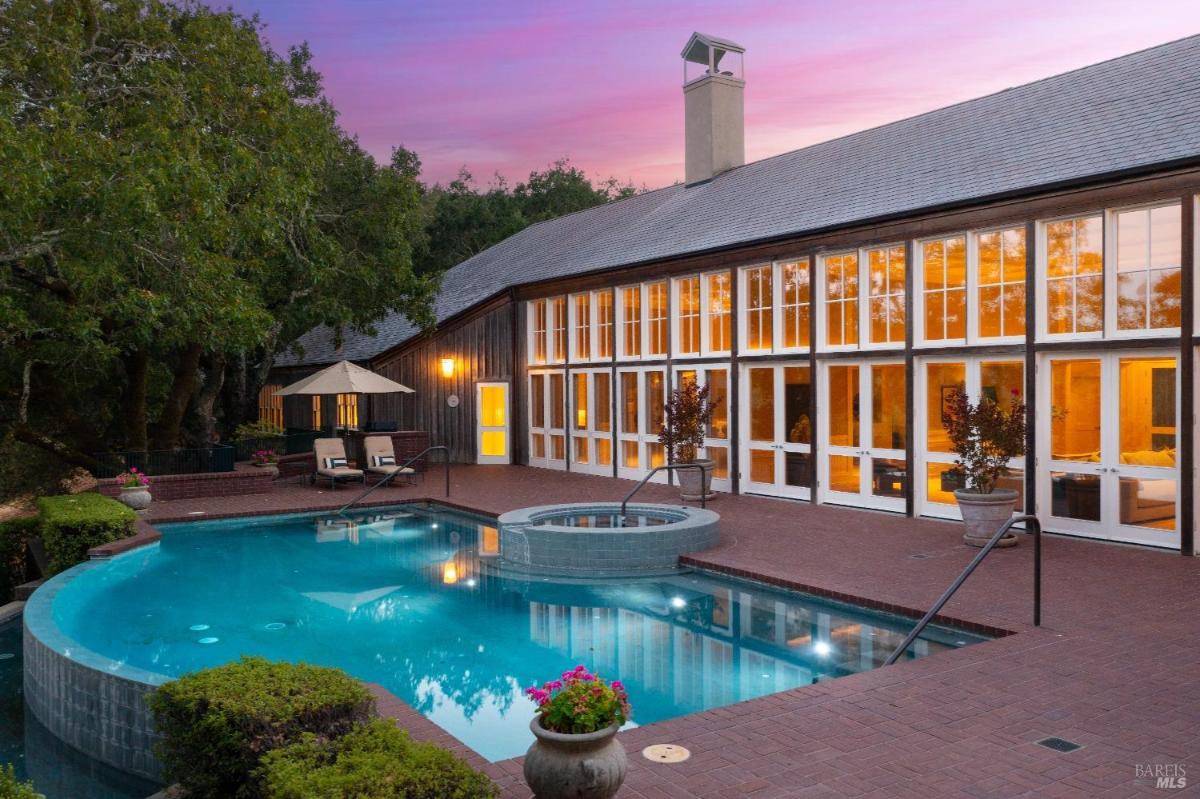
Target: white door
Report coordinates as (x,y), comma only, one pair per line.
(491,423)
(591,421)
(776,429)
(716,438)
(863,434)
(1108,467)
(547,419)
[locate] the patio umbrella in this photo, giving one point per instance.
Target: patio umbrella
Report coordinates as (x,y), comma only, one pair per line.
(345,378)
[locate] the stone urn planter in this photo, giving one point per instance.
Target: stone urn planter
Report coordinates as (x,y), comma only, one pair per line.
(693,486)
(567,766)
(136,497)
(271,468)
(983,514)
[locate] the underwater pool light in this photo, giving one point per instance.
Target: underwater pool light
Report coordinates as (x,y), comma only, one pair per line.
(678,602)
(822,648)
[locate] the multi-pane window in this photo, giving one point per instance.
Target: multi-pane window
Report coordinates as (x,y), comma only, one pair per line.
(559,331)
(316,413)
(583,326)
(841,299)
(631,322)
(944,264)
(1075,275)
(720,312)
(657,315)
(796,302)
(688,292)
(537,331)
(347,411)
(1148,275)
(759,308)
(604,323)
(885,294)
(1001,288)
(270,405)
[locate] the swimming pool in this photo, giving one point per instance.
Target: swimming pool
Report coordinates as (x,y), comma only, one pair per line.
(413,598)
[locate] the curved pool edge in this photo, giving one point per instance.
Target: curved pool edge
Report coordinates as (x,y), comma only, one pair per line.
(93,703)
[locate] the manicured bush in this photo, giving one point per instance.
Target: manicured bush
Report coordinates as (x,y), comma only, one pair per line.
(12,788)
(377,761)
(12,553)
(74,523)
(217,723)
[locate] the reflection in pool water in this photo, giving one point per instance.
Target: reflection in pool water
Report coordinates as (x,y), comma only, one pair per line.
(412,599)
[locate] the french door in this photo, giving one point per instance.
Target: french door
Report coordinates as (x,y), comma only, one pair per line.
(777,429)
(863,434)
(547,418)
(591,421)
(1107,468)
(491,423)
(641,408)
(716,437)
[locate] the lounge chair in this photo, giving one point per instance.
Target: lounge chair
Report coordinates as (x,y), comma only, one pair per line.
(332,463)
(381,458)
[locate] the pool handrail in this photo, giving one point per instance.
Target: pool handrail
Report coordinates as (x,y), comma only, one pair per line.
(1035,527)
(666,468)
(387,478)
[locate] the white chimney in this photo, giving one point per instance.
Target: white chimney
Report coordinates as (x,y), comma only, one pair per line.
(713,107)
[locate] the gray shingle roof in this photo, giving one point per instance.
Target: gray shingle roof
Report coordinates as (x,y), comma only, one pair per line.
(1132,112)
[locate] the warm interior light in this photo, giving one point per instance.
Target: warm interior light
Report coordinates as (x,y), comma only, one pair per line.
(447,367)
(449,573)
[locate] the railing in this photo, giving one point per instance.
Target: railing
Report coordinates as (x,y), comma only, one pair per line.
(389,477)
(1036,527)
(667,468)
(217,458)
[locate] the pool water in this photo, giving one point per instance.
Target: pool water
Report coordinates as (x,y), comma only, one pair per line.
(414,599)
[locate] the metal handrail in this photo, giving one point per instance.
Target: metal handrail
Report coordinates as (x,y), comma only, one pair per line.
(666,468)
(1036,527)
(389,477)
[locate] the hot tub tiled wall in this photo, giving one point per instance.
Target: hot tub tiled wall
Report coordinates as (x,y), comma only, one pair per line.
(100,714)
(575,551)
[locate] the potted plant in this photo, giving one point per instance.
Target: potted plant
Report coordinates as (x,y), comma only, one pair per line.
(576,752)
(688,413)
(135,488)
(985,437)
(266,459)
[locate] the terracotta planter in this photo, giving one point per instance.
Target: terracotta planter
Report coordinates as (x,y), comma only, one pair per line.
(136,497)
(565,766)
(983,515)
(691,485)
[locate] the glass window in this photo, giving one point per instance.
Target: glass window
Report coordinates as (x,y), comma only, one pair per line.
(718,400)
(604,323)
(889,414)
(656,300)
(1148,274)
(537,401)
(843,407)
(688,290)
(583,327)
(1148,432)
(944,263)
(316,413)
(631,321)
(797,394)
(1075,275)
(656,401)
(797,302)
(940,380)
(886,294)
(559,318)
(1075,410)
(347,411)
(580,379)
(759,308)
(603,404)
(762,403)
(720,304)
(558,400)
(270,406)
(841,299)
(537,331)
(629,403)
(1001,297)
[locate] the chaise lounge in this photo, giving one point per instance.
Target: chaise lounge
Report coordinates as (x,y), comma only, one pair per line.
(332,463)
(381,459)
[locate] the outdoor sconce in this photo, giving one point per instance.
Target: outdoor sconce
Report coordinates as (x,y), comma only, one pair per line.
(447,367)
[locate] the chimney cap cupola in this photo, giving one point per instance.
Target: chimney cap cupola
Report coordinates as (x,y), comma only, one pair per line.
(708,52)
(713,85)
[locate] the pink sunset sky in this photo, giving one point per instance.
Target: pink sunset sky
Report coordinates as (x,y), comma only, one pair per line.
(509,87)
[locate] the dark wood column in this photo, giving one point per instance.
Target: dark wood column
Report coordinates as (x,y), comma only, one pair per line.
(814,405)
(1031,417)
(910,384)
(1187,367)
(735,383)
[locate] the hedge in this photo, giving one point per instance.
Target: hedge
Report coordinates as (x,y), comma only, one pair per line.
(217,723)
(376,761)
(74,523)
(12,788)
(13,553)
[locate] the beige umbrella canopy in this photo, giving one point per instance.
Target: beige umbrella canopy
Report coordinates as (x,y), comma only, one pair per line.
(345,378)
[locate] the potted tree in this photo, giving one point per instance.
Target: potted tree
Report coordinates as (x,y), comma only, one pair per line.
(688,413)
(576,752)
(985,437)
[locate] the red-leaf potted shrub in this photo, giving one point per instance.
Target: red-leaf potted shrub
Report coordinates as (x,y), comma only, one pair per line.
(985,437)
(576,752)
(686,417)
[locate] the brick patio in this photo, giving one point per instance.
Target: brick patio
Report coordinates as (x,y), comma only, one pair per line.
(1114,666)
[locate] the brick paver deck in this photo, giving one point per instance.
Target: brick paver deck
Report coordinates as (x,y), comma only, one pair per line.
(1115,666)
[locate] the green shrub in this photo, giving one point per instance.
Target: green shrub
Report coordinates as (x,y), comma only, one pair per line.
(12,553)
(11,788)
(217,723)
(260,429)
(377,761)
(74,523)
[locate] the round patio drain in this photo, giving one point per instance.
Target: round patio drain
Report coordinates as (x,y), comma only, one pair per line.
(666,753)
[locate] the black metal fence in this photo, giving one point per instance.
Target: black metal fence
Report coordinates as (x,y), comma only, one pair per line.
(218,458)
(291,443)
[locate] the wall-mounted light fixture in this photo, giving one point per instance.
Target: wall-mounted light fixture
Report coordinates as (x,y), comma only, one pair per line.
(447,367)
